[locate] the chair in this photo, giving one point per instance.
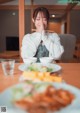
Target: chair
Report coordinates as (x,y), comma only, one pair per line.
(68,41)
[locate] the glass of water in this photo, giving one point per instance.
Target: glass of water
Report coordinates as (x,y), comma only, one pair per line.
(8,66)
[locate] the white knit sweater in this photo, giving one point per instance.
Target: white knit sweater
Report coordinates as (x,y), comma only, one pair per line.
(31,42)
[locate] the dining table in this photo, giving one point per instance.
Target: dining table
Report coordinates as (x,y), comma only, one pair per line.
(70,74)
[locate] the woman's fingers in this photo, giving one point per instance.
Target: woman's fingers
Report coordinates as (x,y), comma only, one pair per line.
(42,26)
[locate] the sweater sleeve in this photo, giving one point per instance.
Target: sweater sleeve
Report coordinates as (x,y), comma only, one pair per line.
(29,46)
(54,46)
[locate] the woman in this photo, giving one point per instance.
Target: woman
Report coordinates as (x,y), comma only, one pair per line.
(41,43)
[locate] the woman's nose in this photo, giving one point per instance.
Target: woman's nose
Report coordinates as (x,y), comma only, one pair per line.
(41,20)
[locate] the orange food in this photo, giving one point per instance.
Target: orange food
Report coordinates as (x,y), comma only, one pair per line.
(42,76)
(50,100)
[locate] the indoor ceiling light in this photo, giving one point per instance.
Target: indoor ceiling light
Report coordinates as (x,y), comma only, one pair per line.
(53,15)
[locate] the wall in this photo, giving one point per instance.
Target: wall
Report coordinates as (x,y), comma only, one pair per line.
(75,23)
(55,26)
(9,25)
(62,28)
(28,21)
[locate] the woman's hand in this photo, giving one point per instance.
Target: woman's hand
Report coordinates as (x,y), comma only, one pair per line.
(41,26)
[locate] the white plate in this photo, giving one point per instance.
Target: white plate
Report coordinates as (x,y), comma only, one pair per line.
(55,67)
(74,107)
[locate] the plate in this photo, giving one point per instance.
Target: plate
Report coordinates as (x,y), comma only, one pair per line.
(74,107)
(55,67)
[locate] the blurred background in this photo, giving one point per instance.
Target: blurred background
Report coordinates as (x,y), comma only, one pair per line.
(64,19)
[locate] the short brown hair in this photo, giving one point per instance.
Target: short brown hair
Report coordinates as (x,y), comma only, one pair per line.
(43,10)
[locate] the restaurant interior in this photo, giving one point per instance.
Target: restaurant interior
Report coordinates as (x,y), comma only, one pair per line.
(46,86)
(15,23)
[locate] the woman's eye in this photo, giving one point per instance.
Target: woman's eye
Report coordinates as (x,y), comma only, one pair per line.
(38,19)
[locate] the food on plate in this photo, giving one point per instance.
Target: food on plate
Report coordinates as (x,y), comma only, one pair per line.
(41,76)
(39,72)
(41,97)
(39,68)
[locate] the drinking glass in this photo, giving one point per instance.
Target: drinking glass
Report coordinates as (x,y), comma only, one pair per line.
(8,66)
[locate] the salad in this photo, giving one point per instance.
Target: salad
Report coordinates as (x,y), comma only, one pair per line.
(39,68)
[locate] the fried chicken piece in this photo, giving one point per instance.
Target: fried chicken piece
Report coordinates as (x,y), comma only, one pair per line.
(37,110)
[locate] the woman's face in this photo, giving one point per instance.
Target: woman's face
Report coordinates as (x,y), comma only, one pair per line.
(40,21)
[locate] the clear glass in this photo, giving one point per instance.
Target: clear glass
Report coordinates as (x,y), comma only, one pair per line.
(8,66)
